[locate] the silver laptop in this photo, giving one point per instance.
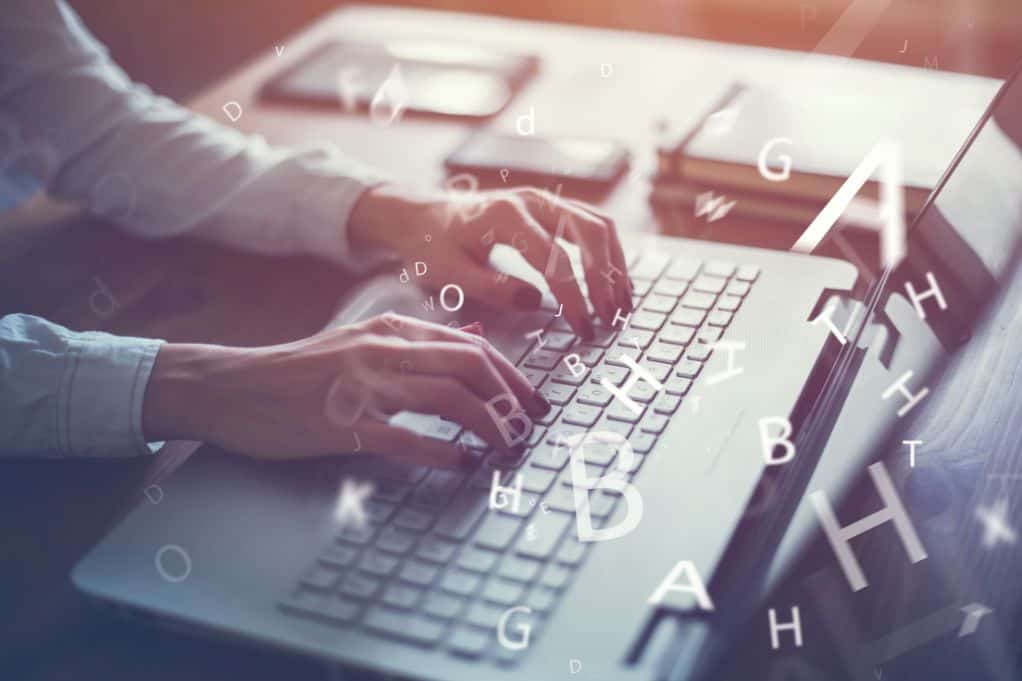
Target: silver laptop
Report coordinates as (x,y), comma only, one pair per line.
(439,585)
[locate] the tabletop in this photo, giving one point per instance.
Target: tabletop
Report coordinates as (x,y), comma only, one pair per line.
(52,512)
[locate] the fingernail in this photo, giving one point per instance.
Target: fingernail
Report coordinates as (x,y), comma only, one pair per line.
(527,298)
(541,402)
(475,328)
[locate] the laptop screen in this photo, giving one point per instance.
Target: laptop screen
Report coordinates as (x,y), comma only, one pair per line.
(970,230)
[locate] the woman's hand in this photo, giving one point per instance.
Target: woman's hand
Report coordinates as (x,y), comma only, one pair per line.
(331,393)
(463,228)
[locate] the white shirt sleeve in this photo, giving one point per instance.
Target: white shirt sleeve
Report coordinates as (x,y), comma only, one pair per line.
(90,135)
(68,394)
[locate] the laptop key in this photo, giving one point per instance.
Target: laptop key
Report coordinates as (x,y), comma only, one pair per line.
(359,585)
(658,303)
(571,552)
(377,563)
(747,273)
(558,341)
(665,353)
(654,423)
(602,337)
(555,576)
(581,414)
(677,385)
(518,568)
(687,316)
(395,541)
(666,404)
(616,357)
(484,615)
(442,605)
(738,288)
(457,520)
(538,480)
(468,642)
(549,418)
(475,559)
(437,489)
(339,555)
(729,303)
(446,431)
(418,572)
(357,535)
(390,490)
(320,577)
(401,596)
(543,359)
(683,268)
(650,266)
(719,318)
(697,300)
(557,393)
(709,334)
(709,284)
(595,395)
(497,531)
(634,338)
(541,599)
(642,443)
(502,592)
(414,519)
(670,287)
(460,582)
(719,268)
(548,528)
(619,412)
(436,549)
(404,627)
(651,321)
(688,369)
(534,376)
(615,374)
(699,352)
(562,374)
(677,335)
(550,456)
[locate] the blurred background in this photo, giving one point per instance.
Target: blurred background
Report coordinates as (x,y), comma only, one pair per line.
(180,46)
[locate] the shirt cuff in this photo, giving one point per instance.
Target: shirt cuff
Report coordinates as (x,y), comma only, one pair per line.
(101,395)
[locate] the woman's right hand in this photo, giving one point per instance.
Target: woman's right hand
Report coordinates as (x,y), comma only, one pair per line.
(331,393)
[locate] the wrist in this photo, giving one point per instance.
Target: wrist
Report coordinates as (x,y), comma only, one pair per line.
(177,398)
(380,217)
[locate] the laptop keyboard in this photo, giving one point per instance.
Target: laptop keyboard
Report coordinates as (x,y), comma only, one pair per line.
(434,566)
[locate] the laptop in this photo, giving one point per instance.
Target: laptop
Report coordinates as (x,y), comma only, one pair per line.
(441,584)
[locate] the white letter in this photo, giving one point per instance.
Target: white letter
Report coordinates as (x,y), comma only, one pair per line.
(614,481)
(419,271)
(606,70)
(185,559)
(618,318)
(795,625)
(403,277)
(154,493)
(769,442)
(918,298)
(104,294)
(694,587)
(573,362)
(899,386)
(461,298)
(501,497)
(890,213)
(892,511)
(529,118)
(732,370)
(912,451)
(350,504)
(525,629)
(764,170)
(515,414)
(633,378)
(233,111)
(574,666)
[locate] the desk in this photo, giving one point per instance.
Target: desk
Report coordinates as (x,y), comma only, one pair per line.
(51,512)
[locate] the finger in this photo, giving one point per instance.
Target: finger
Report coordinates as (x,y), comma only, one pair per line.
(419,330)
(617,255)
(450,398)
(565,219)
(407,446)
(540,250)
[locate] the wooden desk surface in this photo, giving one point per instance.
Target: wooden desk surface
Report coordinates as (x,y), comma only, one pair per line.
(51,512)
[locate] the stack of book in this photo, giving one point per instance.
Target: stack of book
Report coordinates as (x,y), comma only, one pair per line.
(779,157)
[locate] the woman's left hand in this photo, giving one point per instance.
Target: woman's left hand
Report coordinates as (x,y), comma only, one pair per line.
(463,228)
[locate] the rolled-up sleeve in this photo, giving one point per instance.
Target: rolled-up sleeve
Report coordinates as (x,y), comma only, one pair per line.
(68,394)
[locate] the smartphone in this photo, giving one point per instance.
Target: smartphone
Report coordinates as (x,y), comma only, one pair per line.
(591,165)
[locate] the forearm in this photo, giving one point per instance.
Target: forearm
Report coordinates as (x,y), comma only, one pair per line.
(180,397)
